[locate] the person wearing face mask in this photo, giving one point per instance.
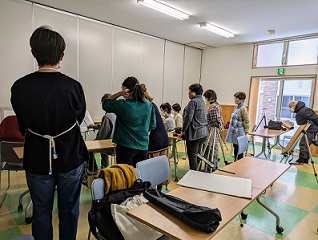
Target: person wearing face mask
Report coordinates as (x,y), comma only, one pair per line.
(49,107)
(303,115)
(239,124)
(195,126)
(168,121)
(135,118)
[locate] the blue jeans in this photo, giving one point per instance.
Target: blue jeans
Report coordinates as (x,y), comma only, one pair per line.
(42,189)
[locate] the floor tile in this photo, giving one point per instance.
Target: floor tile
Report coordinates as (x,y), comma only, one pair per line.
(293,196)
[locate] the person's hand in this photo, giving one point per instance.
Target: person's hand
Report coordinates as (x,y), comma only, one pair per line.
(180,136)
(125,92)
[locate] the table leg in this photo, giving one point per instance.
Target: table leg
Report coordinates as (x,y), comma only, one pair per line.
(279,229)
(174,148)
(276,143)
(263,149)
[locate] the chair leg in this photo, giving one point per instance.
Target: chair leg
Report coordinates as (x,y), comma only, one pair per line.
(6,191)
(28,216)
(89,234)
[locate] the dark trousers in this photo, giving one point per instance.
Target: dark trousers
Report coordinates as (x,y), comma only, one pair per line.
(237,157)
(192,150)
(304,154)
(130,156)
(92,165)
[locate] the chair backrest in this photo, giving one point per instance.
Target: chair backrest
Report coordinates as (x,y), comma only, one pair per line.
(242,142)
(24,237)
(98,188)
(9,130)
(8,155)
(156,170)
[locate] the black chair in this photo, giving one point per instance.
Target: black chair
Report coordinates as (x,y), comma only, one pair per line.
(9,161)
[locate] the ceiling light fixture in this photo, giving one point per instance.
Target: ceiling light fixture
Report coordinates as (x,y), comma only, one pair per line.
(164,9)
(212,28)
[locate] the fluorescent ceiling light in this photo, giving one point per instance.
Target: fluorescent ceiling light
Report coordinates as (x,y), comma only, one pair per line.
(164,9)
(212,28)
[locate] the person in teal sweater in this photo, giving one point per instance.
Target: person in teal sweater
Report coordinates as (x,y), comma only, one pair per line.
(135,118)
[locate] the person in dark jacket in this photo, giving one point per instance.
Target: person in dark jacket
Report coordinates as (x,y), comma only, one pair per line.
(303,116)
(49,106)
(195,125)
(158,137)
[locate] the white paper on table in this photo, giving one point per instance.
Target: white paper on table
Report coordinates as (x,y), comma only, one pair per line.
(240,187)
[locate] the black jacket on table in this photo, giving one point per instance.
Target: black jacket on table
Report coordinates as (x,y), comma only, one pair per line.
(305,114)
(49,103)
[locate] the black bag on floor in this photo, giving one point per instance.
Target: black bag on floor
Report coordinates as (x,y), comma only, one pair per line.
(100,217)
(199,217)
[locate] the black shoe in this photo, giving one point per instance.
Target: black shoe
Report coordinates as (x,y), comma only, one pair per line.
(302,160)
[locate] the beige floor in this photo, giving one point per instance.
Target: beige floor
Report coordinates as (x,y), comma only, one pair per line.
(285,191)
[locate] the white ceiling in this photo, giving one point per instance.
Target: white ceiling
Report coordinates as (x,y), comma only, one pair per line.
(248,19)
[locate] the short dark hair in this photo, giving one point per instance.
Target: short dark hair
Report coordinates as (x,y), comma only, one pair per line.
(166,107)
(47,46)
(240,95)
(137,93)
(176,107)
(210,94)
(197,88)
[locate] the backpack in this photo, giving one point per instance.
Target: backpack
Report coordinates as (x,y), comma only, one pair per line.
(100,217)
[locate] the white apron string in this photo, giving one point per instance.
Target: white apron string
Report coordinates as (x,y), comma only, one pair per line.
(52,144)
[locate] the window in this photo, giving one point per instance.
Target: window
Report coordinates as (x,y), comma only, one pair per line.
(270,55)
(287,52)
(302,52)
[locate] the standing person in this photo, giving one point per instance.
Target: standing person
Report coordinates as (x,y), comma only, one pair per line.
(135,117)
(194,127)
(168,121)
(215,120)
(303,115)
(239,124)
(49,106)
(177,117)
(158,138)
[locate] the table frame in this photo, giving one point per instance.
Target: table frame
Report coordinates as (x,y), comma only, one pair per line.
(266,134)
(263,173)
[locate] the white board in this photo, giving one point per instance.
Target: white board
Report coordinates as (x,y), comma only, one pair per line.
(239,187)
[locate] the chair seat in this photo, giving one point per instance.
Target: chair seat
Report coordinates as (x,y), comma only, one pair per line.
(12,167)
(24,237)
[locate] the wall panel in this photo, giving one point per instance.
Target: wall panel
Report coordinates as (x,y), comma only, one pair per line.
(192,64)
(152,56)
(15,59)
(127,56)
(173,72)
(66,25)
(95,63)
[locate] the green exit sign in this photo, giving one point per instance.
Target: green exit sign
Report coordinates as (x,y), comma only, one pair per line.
(281,71)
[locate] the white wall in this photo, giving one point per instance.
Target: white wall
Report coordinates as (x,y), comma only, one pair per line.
(99,55)
(229,69)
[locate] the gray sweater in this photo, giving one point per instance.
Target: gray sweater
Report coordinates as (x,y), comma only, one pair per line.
(195,119)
